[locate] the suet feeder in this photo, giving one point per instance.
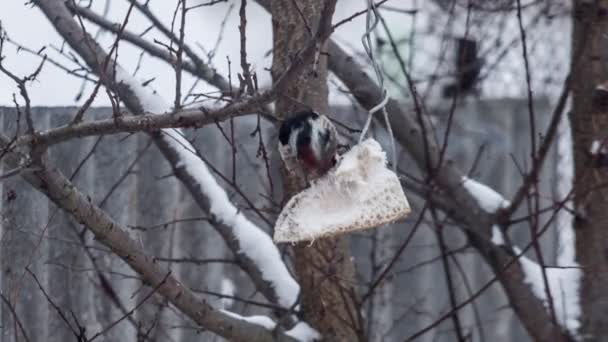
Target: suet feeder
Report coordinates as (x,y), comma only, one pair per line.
(359,193)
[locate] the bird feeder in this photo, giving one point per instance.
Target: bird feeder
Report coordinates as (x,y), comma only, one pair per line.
(359,193)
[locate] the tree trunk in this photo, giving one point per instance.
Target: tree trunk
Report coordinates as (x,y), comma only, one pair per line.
(589,119)
(324,269)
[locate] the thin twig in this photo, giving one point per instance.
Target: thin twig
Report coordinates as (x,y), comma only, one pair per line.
(15,317)
(130,312)
(76,333)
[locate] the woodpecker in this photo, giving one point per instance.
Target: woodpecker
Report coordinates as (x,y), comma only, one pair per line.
(311,139)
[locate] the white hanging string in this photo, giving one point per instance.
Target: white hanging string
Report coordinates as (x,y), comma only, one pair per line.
(371,21)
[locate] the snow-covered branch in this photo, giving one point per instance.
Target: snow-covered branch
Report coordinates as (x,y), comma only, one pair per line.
(253,243)
(564,280)
(564,285)
(301,332)
(497,235)
(487,198)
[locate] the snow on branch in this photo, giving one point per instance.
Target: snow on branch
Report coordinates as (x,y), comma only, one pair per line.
(497,236)
(254,243)
(487,198)
(565,174)
(228,290)
(565,279)
(301,332)
(564,284)
(264,321)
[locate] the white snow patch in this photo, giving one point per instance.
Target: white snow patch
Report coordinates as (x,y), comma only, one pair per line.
(149,100)
(566,255)
(487,198)
(601,87)
(303,332)
(564,284)
(566,238)
(264,321)
(595,147)
(359,193)
(497,236)
(253,241)
(227,289)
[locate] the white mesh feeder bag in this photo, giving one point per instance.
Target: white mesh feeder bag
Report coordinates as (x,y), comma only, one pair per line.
(360,192)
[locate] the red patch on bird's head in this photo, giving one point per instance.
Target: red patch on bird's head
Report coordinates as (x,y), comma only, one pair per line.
(313,166)
(307,156)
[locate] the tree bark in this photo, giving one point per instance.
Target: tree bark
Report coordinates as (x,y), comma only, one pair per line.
(325,269)
(589,118)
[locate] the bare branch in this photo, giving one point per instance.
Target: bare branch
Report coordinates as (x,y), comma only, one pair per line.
(21,84)
(177,103)
(246,86)
(130,312)
(149,122)
(206,73)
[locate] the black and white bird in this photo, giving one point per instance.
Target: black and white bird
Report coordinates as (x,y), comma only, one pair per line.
(311,140)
